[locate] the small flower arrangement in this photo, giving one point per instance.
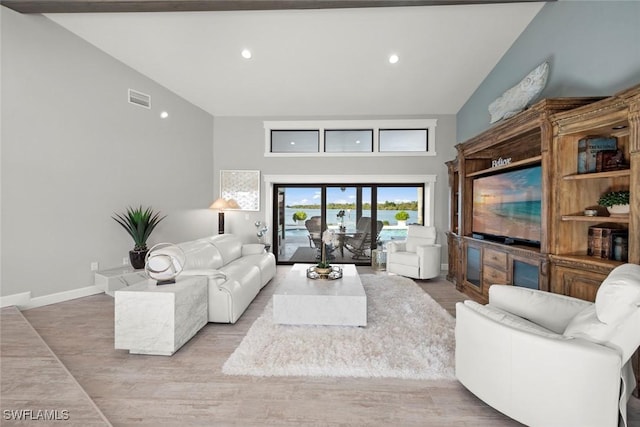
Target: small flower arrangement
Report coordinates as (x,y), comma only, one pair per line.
(327,239)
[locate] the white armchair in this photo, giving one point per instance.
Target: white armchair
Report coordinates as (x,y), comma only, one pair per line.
(551,360)
(418,256)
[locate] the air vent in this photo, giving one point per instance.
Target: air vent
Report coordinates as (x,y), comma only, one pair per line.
(139,98)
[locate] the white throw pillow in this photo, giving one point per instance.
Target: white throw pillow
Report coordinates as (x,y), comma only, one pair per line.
(619,294)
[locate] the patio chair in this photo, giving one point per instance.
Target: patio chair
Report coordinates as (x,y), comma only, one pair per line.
(314,227)
(360,243)
(315,230)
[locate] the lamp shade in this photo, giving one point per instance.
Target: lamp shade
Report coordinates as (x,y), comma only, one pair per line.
(220,204)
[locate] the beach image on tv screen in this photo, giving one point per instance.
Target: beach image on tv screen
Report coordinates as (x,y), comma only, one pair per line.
(508,204)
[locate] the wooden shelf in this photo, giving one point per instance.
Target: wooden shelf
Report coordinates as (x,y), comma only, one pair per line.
(530,160)
(596,175)
(581,258)
(584,218)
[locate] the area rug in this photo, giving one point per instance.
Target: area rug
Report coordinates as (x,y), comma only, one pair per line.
(304,254)
(408,335)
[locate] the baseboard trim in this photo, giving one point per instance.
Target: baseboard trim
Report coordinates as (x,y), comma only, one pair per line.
(15,299)
(59,297)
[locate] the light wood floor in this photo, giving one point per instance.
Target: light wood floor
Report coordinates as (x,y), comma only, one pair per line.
(188,388)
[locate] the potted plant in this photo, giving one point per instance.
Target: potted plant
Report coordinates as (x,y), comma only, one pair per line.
(139,223)
(402,218)
(616,202)
(299,216)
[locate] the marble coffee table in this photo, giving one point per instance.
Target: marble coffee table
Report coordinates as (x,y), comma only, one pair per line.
(299,300)
(151,319)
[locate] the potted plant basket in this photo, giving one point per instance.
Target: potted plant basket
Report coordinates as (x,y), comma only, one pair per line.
(139,223)
(616,202)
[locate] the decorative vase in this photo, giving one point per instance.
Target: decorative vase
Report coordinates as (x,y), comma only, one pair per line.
(402,223)
(618,210)
(137,258)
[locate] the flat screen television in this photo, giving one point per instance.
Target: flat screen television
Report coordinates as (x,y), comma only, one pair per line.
(507,206)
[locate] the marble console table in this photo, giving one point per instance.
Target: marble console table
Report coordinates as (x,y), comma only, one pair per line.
(299,300)
(112,279)
(151,319)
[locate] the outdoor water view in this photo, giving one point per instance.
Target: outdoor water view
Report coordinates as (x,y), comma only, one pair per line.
(340,206)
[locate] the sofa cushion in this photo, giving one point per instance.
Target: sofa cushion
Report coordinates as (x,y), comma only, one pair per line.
(418,235)
(200,254)
(230,246)
(553,311)
(511,320)
(586,325)
(619,294)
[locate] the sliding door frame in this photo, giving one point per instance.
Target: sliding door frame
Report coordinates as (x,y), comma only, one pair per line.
(428,182)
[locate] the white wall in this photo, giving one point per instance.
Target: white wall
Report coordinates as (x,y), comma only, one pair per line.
(74,151)
(239,144)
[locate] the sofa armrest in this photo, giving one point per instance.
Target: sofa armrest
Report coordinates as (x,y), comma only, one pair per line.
(553,311)
(429,251)
(396,246)
(252,249)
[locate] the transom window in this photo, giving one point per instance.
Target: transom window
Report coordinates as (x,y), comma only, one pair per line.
(350,137)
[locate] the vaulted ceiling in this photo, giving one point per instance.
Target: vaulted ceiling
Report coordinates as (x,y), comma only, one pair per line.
(322,62)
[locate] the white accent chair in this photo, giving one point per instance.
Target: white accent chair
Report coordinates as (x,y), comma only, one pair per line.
(550,360)
(418,256)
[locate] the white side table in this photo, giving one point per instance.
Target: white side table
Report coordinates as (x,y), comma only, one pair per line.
(112,279)
(379,259)
(151,319)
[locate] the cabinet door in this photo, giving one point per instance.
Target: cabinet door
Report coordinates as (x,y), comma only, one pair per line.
(577,283)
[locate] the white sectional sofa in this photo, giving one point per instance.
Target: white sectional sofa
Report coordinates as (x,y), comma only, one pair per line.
(236,272)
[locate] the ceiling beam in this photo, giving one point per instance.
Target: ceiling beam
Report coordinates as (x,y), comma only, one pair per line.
(94,6)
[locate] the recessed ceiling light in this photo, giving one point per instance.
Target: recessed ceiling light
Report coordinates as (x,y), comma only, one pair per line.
(246,54)
(164,114)
(357,141)
(394,58)
(293,143)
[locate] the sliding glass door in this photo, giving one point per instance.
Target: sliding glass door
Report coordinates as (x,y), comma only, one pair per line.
(361,218)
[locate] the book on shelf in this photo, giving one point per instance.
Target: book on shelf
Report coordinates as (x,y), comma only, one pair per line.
(588,149)
(609,160)
(602,237)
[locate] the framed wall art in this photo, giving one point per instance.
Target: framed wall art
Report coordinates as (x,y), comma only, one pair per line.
(242,186)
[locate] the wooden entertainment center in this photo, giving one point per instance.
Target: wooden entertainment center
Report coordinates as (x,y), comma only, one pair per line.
(547,134)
